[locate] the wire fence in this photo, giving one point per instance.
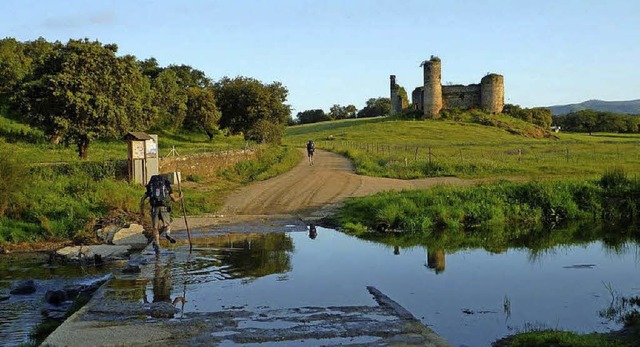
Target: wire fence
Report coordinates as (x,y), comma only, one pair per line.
(503,157)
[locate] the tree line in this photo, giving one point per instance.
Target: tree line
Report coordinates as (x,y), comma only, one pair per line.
(81,91)
(374,107)
(598,121)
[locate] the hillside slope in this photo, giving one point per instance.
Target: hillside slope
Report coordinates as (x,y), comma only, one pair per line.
(629,107)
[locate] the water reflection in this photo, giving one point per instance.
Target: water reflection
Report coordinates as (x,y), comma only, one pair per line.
(243,256)
(313,232)
(436,260)
(491,293)
(162,281)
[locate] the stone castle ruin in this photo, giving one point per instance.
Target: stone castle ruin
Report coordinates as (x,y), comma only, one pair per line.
(434,97)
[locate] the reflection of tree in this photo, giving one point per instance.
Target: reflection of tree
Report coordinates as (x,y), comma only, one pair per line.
(242,256)
(497,240)
(436,260)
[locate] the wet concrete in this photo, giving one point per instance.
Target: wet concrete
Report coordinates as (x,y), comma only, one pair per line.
(114,318)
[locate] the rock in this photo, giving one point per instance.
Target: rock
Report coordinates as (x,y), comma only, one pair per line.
(56,297)
(4,297)
(57,313)
(131,269)
(162,310)
(106,234)
(25,287)
(86,254)
(132,236)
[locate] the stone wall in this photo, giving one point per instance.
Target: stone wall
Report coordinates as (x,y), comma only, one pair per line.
(492,87)
(432,97)
(461,97)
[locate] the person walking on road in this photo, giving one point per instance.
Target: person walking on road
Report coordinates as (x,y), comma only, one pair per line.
(311,147)
(160,196)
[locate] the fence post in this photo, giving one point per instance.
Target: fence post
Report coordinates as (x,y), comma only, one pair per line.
(415,157)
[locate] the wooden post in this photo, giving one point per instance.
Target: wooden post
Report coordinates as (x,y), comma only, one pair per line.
(415,157)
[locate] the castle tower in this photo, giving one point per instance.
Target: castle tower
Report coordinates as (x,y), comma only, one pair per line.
(432,87)
(492,93)
(396,106)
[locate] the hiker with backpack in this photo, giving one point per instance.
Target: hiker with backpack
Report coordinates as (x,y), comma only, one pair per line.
(311,147)
(160,196)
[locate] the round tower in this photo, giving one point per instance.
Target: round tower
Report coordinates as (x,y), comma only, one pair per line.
(395,108)
(492,93)
(432,87)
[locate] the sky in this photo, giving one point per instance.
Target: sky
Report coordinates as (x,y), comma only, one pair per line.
(328,52)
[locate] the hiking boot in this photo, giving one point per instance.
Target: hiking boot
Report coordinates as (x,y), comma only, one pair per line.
(156,248)
(171,239)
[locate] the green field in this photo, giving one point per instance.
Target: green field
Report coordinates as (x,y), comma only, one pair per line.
(385,147)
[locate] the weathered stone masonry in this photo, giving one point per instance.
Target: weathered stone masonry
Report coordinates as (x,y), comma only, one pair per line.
(433,97)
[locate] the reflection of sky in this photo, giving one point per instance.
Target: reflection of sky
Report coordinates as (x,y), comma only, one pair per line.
(334,269)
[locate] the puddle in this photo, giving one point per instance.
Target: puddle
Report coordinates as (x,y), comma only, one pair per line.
(461,296)
(470,297)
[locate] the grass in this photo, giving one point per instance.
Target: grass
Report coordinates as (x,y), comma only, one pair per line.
(387,147)
(561,339)
(50,194)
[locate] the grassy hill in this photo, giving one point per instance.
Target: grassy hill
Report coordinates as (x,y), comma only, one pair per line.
(628,107)
(411,149)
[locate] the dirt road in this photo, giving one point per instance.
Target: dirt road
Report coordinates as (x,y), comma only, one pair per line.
(313,190)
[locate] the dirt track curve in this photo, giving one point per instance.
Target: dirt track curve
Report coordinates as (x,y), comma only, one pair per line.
(307,190)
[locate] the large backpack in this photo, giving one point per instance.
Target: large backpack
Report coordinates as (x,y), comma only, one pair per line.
(311,146)
(158,190)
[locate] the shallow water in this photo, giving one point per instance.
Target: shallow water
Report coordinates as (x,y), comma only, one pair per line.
(470,297)
(21,313)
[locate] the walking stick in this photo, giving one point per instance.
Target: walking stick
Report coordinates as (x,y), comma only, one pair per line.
(184,213)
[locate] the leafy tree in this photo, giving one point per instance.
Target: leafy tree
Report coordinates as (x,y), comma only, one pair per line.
(190,77)
(338,112)
(351,111)
(244,101)
(202,112)
(265,131)
(84,92)
(14,63)
(376,107)
(312,116)
(538,115)
(150,68)
(170,99)
(402,93)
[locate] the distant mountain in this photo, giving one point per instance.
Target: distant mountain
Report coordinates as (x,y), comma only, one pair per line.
(630,107)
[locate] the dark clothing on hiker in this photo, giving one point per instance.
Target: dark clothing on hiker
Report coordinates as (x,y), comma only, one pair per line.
(160,196)
(311,147)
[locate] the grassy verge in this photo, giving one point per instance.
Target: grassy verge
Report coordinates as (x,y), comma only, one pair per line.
(63,202)
(386,147)
(562,338)
(505,206)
